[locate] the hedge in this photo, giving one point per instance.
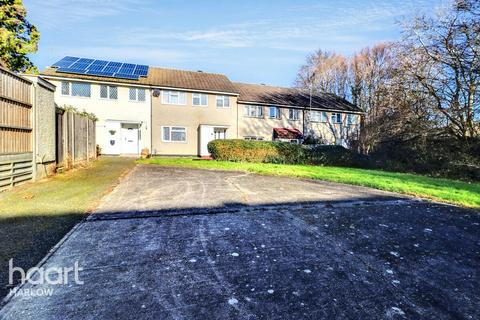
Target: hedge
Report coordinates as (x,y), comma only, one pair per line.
(281,152)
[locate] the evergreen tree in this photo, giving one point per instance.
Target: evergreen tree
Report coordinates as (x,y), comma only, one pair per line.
(18,37)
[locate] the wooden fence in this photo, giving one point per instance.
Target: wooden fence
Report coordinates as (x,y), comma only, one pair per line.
(16,159)
(15,113)
(75,138)
(24,143)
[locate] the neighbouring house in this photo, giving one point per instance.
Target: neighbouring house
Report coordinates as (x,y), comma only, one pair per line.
(288,114)
(190,109)
(176,112)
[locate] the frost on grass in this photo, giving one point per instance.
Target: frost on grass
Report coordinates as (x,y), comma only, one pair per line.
(232,301)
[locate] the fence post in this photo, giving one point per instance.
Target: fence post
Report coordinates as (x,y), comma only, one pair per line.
(73,138)
(88,140)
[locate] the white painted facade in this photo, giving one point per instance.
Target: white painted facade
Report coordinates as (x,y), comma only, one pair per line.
(123,126)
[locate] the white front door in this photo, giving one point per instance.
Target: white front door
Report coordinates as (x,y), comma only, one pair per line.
(129,139)
(207,134)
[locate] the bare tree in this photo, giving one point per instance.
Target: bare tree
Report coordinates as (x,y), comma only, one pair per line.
(326,72)
(442,55)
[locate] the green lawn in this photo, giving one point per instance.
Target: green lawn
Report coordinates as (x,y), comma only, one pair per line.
(450,191)
(35,216)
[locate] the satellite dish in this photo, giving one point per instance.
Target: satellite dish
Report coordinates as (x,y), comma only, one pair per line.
(156,93)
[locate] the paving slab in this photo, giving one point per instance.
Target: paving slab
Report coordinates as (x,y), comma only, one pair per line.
(192,244)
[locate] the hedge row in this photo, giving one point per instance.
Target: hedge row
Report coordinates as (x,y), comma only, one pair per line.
(281,152)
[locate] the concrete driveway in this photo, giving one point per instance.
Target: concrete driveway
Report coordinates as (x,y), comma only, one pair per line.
(191,244)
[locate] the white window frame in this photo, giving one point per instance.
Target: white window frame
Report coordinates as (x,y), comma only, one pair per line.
(199,96)
(166,93)
(291,112)
(248,113)
(70,89)
(335,116)
(136,94)
(223,99)
(82,83)
(170,134)
(109,88)
(322,116)
(277,113)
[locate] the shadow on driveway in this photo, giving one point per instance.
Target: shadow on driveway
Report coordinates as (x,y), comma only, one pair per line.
(373,258)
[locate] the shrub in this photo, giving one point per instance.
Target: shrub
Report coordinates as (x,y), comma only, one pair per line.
(332,155)
(256,151)
(283,152)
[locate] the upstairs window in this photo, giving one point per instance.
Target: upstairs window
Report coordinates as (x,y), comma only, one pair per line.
(174,97)
(108,92)
(81,89)
(351,119)
(76,89)
(336,118)
(254,111)
(65,88)
(318,116)
(274,113)
(223,102)
(199,99)
(293,114)
(136,94)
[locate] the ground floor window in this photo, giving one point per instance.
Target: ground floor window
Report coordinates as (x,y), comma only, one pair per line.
(174,134)
(253,138)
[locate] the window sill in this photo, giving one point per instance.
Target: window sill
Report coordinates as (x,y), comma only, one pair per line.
(174,104)
(180,142)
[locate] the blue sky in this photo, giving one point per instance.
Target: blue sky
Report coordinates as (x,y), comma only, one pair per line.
(248,40)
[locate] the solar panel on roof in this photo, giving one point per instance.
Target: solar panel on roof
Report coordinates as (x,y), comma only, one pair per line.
(125,76)
(101,68)
(113,69)
(65,62)
(99,73)
(71,70)
(141,70)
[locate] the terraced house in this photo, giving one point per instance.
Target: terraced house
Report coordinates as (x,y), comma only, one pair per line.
(176,112)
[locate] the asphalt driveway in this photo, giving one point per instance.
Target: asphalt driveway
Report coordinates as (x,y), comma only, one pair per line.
(191,244)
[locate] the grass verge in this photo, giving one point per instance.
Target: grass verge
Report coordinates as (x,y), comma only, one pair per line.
(35,216)
(444,190)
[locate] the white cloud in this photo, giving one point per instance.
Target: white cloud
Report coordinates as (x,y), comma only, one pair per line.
(343,23)
(57,13)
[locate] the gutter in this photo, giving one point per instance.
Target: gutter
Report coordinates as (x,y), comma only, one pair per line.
(297,107)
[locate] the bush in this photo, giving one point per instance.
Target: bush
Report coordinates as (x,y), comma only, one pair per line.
(256,151)
(332,155)
(283,152)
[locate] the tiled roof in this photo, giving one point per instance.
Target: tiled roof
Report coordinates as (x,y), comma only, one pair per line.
(164,78)
(287,133)
(292,97)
